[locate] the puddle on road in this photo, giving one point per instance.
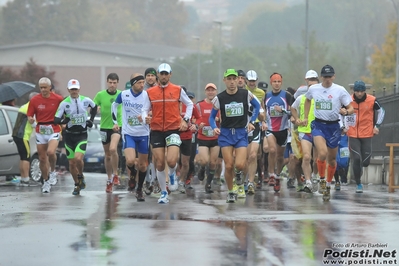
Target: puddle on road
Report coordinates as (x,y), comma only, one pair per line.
(95,245)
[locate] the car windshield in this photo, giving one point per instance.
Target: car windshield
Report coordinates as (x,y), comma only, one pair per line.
(93,136)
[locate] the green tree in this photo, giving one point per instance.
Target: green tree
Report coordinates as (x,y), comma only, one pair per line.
(382,66)
(44,20)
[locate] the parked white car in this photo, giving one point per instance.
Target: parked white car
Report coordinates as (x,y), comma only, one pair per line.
(9,157)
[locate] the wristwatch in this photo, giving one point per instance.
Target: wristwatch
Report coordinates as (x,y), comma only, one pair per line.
(252,122)
(186,119)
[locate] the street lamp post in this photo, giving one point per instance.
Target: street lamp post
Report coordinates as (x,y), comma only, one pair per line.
(397,47)
(307,37)
(198,65)
(220,54)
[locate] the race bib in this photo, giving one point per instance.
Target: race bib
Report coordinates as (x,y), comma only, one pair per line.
(46,130)
(350,120)
(274,112)
(133,121)
(103,136)
(344,152)
(208,131)
(234,109)
(173,139)
(323,105)
(78,119)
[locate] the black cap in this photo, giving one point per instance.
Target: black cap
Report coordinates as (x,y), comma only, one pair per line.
(190,94)
(327,71)
(241,73)
(150,70)
(184,88)
(291,91)
(263,85)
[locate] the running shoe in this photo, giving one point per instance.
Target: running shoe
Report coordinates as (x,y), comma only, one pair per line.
(337,186)
(81,181)
(181,188)
(231,197)
(24,183)
(172,179)
(201,174)
(208,189)
(359,188)
(344,183)
(235,187)
(15,181)
(277,185)
(259,184)
(322,185)
(308,188)
(108,189)
(115,180)
(241,192)
(140,195)
(326,193)
(53,178)
(148,188)
(187,184)
(315,184)
(46,187)
(132,184)
(272,181)
(76,190)
(251,188)
(157,188)
(300,187)
(216,181)
(291,183)
(164,197)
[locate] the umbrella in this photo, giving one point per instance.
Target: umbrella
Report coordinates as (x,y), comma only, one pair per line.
(14,89)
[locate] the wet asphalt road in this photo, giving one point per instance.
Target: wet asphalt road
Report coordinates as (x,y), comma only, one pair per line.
(288,228)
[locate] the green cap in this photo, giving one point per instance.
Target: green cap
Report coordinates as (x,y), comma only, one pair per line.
(230,72)
(128,86)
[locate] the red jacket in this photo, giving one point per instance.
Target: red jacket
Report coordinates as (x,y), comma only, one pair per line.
(188,134)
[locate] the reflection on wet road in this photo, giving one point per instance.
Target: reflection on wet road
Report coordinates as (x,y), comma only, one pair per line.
(287,228)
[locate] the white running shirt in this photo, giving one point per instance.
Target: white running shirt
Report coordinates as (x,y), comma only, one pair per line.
(131,109)
(328,101)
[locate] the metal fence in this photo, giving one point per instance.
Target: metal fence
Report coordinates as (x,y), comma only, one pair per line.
(389,130)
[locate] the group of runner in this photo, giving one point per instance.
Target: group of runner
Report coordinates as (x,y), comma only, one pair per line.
(242,125)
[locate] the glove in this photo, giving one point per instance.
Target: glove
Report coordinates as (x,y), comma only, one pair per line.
(89,123)
(65,121)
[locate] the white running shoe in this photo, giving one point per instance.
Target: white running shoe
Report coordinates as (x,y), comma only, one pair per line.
(164,197)
(53,178)
(46,187)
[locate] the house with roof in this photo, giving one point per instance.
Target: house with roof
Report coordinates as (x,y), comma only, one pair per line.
(90,63)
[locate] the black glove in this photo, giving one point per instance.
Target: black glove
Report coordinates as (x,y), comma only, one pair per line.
(89,123)
(65,121)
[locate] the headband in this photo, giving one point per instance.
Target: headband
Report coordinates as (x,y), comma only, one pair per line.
(275,76)
(135,79)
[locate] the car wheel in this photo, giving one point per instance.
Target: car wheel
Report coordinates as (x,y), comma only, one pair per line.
(34,170)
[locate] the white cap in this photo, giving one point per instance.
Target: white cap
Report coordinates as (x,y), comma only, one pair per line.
(311,74)
(164,68)
(73,84)
(300,91)
(251,75)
